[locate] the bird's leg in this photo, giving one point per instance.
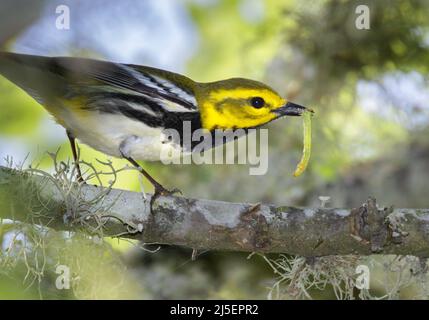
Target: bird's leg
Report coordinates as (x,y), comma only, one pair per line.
(159,189)
(75,158)
(124,149)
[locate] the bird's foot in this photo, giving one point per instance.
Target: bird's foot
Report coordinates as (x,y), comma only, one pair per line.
(161,191)
(81,180)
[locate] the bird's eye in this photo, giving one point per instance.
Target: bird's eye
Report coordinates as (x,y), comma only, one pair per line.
(257,102)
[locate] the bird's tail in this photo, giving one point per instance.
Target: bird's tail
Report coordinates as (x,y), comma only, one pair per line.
(31,73)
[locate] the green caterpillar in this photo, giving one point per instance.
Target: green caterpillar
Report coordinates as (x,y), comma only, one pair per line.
(302,165)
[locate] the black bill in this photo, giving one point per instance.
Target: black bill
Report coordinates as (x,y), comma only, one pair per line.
(290,109)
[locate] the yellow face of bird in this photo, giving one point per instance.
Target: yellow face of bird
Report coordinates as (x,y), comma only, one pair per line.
(241,103)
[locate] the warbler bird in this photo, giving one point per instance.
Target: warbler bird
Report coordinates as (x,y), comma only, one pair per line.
(122,110)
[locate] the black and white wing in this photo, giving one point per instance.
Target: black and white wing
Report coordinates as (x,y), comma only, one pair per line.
(136,91)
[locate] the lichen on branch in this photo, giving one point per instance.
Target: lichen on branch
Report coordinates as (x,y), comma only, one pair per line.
(60,203)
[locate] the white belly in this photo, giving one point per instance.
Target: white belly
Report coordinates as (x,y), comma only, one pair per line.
(106,132)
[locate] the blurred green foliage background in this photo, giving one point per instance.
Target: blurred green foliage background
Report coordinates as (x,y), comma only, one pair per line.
(369,89)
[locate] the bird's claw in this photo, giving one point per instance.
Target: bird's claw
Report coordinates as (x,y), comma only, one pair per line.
(161,191)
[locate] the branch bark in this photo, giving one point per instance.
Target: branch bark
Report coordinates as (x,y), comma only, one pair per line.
(215,225)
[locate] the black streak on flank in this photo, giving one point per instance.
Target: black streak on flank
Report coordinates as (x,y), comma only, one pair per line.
(152,114)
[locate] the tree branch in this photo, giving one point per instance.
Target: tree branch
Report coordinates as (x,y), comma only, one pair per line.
(215,225)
